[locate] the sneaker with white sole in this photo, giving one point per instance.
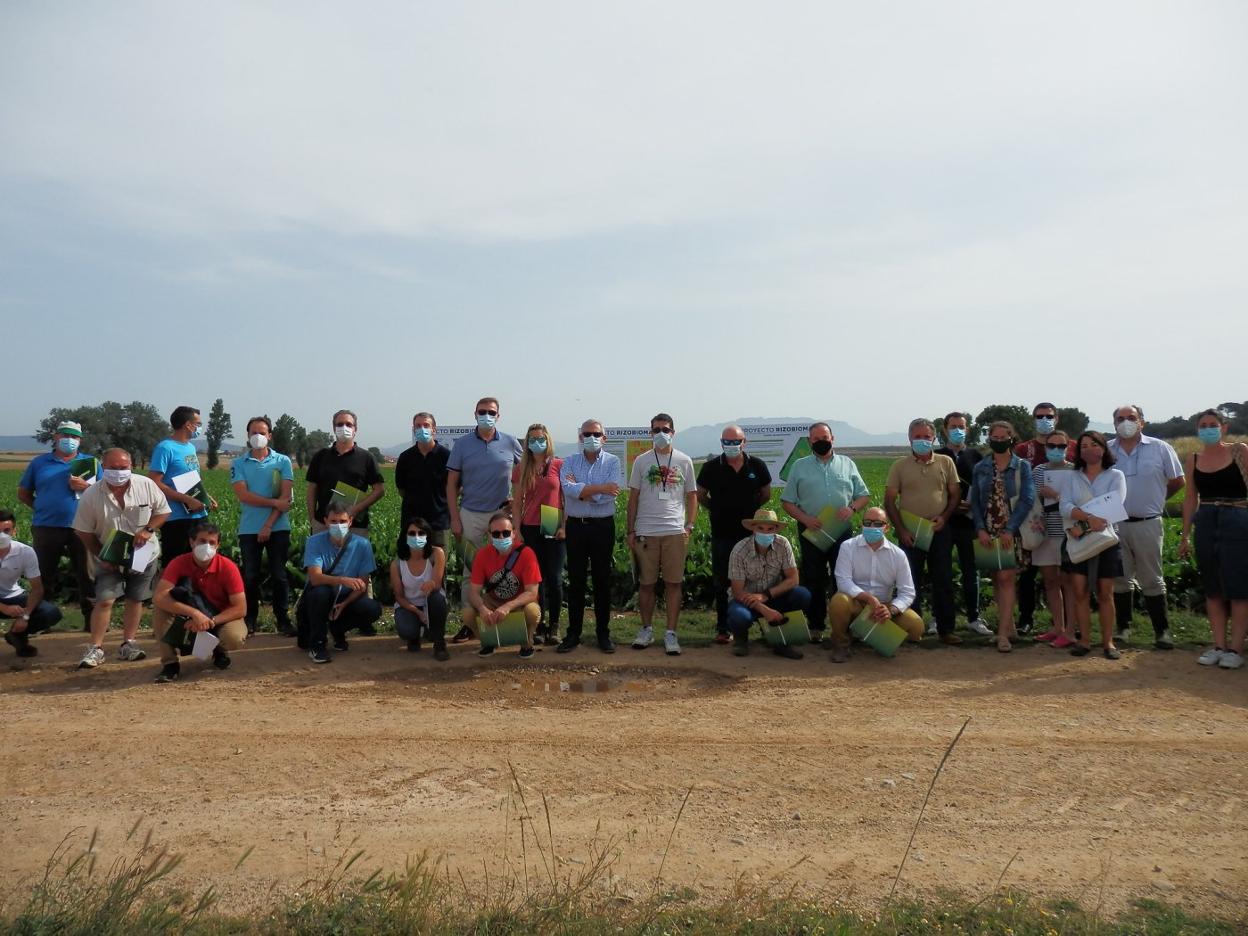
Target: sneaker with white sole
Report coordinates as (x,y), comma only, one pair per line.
(129,651)
(1230,660)
(92,658)
(644,638)
(670,644)
(1211,656)
(930,630)
(979,626)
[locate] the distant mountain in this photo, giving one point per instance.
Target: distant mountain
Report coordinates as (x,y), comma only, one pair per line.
(13,443)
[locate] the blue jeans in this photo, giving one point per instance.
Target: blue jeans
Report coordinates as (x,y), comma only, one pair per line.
(42,618)
(320,600)
(741,618)
(721,551)
(408,624)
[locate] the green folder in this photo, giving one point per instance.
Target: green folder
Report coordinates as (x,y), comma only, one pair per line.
(118,548)
(550,520)
(178,637)
(86,467)
(349,494)
(833,529)
(276,490)
(920,528)
(788,634)
(994,557)
(513,631)
(884,637)
(801,449)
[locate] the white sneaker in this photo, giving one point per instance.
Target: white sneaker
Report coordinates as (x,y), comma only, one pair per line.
(129,651)
(979,626)
(1230,660)
(92,658)
(1211,657)
(644,638)
(930,630)
(671,644)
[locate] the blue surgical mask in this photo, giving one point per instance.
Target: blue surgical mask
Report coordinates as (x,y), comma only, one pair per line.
(730,450)
(487,421)
(764,539)
(1046,424)
(417,542)
(1056,453)
(339,531)
(422,434)
(198,432)
(957,436)
(872,534)
(662,440)
(68,445)
(502,544)
(591,444)
(920,446)
(1209,435)
(537,446)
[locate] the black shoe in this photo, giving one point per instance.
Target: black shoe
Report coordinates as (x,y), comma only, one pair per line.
(551,639)
(1079,650)
(251,630)
(440,654)
(367,630)
(319,655)
(220,659)
(1111,653)
(741,648)
(606,645)
(567,645)
(1025,627)
(789,653)
(21,644)
(170,672)
(341,645)
(413,646)
(485,651)
(462,634)
(526,652)
(285,630)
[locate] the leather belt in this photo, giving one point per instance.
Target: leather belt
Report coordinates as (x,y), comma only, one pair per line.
(610,519)
(1141,519)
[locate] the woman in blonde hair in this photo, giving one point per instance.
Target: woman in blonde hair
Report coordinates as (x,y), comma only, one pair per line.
(536,491)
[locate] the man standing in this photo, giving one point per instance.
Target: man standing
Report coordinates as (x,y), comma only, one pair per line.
(344,463)
(337,599)
(731,486)
(1154,474)
(172,457)
(128,505)
(763,574)
(420,476)
(591,479)
(662,509)
(51,489)
(221,607)
(961,526)
(827,483)
(1033,450)
(26,611)
(923,486)
(479,468)
(263,480)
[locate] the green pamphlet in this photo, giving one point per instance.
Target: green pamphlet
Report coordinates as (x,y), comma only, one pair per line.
(512,631)
(87,467)
(118,548)
(349,494)
(833,529)
(178,637)
(550,520)
(994,557)
(801,449)
(920,528)
(791,632)
(884,637)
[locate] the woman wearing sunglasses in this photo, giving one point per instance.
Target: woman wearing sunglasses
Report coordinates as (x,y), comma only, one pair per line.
(538,498)
(416,576)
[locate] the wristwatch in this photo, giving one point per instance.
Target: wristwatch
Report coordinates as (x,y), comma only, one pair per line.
(151,530)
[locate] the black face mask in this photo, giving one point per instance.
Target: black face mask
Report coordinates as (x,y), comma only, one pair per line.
(822,447)
(1000,446)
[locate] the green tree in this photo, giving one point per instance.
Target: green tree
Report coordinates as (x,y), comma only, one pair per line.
(379,458)
(1017,416)
(287,436)
(313,442)
(219,428)
(1072,420)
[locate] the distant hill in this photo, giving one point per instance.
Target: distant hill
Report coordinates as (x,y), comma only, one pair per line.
(15,443)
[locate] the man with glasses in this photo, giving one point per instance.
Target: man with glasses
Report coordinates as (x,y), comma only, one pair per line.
(591,479)
(351,469)
(479,471)
(420,476)
(662,509)
(1154,475)
(871,572)
(172,457)
(505,578)
(731,486)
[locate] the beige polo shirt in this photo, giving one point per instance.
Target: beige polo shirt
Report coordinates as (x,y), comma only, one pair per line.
(923,487)
(99,512)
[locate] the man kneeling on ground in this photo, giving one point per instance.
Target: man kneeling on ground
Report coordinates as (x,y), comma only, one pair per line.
(27,612)
(505,578)
(763,574)
(206,591)
(337,597)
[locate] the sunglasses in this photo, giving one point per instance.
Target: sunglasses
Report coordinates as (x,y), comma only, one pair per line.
(875,523)
(593,435)
(732,441)
(487,412)
(500,534)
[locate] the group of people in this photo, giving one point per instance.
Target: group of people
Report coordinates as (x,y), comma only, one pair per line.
(1088,510)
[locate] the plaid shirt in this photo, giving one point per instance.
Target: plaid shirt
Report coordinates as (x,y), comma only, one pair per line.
(760,571)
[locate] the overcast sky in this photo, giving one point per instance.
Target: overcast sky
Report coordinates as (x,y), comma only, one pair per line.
(860,211)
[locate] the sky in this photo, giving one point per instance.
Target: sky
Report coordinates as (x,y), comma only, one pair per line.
(862,212)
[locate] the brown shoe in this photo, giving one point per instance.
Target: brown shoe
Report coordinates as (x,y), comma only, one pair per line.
(951,639)
(840,654)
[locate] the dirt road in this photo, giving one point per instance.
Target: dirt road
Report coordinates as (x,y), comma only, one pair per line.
(1127,775)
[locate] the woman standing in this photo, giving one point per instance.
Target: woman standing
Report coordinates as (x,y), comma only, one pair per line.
(1002,492)
(1095,475)
(416,580)
(535,485)
(1047,557)
(1217,499)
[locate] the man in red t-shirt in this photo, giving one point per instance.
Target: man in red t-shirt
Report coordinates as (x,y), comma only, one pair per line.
(206,590)
(505,578)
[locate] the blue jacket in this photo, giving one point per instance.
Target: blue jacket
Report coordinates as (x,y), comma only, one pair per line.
(1020,491)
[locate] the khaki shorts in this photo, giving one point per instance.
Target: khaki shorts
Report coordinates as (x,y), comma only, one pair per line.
(661,557)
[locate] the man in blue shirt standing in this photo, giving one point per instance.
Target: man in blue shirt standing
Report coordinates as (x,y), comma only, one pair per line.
(337,598)
(49,488)
(175,456)
(262,481)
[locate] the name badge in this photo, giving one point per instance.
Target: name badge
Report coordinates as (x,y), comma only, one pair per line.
(665,495)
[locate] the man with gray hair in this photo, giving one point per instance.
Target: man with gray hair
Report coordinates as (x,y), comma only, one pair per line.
(921,494)
(1154,473)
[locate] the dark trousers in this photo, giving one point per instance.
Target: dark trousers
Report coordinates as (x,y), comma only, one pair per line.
(320,600)
(591,552)
(963,534)
(175,539)
(817,570)
(43,617)
(721,549)
(408,624)
(934,569)
(50,543)
(741,618)
(1026,589)
(275,551)
(550,552)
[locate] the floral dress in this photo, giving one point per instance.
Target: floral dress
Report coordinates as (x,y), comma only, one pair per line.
(997,516)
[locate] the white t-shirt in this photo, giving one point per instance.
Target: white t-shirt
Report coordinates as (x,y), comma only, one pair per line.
(18,563)
(662,483)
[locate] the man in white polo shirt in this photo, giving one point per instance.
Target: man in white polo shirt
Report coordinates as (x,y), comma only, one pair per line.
(26,613)
(1154,473)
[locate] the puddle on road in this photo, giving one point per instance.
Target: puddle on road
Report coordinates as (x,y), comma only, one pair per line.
(586,686)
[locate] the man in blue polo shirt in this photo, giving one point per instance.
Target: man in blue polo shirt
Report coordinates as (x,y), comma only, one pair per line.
(479,467)
(172,457)
(50,488)
(337,599)
(262,481)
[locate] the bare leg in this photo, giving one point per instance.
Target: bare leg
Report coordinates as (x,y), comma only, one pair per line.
(1083,608)
(1216,608)
(671,596)
(1053,595)
(1239,625)
(100,616)
(1003,589)
(645,604)
(1105,599)
(1068,606)
(130,619)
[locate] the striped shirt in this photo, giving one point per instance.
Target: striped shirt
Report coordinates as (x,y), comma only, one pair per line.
(578,471)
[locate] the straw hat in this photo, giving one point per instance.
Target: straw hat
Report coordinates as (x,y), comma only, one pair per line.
(761,516)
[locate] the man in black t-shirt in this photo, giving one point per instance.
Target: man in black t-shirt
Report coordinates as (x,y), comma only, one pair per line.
(961,527)
(350,469)
(731,486)
(420,476)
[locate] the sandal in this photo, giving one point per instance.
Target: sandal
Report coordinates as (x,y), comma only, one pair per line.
(1111,653)
(1061,642)
(1048,635)
(1003,645)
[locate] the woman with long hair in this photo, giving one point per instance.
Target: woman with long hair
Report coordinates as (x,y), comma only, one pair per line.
(537,499)
(416,578)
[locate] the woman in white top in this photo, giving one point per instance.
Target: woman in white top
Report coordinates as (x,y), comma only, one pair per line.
(1048,556)
(1095,475)
(416,577)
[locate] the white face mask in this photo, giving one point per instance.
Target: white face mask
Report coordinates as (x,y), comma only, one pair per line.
(204,551)
(344,433)
(339,531)
(1127,429)
(258,441)
(6,540)
(662,440)
(117,477)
